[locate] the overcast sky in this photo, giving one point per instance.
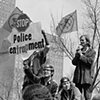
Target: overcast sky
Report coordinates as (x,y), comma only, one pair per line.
(40,10)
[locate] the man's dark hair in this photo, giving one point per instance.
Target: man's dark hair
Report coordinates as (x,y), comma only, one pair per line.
(87,39)
(36,91)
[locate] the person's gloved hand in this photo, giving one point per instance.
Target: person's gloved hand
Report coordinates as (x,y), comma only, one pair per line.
(42,32)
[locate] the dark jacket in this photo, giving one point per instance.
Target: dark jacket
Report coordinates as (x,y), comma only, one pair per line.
(51,85)
(84,69)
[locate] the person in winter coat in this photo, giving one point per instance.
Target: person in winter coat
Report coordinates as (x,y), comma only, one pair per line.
(84,71)
(48,81)
(68,90)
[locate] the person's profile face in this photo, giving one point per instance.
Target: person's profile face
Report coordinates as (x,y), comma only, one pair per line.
(83,41)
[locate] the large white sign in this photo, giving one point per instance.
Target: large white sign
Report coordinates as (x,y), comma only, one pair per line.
(28,41)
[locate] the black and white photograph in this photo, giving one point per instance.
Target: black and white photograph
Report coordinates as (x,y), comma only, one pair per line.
(49,49)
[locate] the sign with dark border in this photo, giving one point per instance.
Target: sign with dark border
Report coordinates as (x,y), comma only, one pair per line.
(22,23)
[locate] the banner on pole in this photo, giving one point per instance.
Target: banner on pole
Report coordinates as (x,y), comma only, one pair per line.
(67,24)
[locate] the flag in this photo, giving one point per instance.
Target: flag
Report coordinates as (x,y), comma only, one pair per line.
(67,24)
(7,29)
(9,24)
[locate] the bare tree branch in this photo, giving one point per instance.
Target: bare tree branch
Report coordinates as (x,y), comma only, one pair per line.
(92,23)
(96,84)
(60,43)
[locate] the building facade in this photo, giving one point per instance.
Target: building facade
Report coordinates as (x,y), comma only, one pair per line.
(6,7)
(55,57)
(6,62)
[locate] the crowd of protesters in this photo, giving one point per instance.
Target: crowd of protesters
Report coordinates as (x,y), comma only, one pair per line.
(38,81)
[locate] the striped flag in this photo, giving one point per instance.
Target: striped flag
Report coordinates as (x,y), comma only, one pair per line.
(67,24)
